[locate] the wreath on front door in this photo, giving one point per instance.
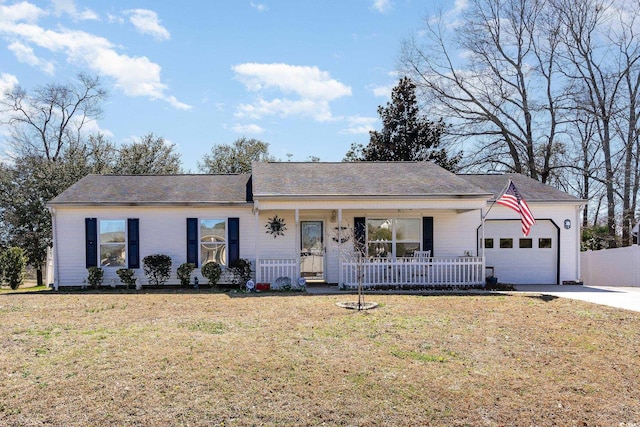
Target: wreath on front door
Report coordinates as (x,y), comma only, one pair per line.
(276,226)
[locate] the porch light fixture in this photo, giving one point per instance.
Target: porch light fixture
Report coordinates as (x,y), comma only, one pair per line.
(567,224)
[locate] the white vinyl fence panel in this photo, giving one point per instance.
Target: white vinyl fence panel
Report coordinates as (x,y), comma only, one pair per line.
(611,267)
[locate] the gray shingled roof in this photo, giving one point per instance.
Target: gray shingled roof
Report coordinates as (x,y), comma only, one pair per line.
(530,189)
(155,189)
(290,179)
(406,179)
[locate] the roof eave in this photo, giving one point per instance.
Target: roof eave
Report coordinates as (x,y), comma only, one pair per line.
(369,196)
(147,204)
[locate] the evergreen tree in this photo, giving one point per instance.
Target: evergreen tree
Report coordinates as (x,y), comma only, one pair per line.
(406,135)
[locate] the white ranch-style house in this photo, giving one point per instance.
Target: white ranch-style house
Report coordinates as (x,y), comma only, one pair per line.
(421,225)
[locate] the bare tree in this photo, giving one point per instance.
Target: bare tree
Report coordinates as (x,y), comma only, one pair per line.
(600,55)
(503,93)
(47,121)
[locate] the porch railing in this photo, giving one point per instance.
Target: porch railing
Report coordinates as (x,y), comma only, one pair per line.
(400,272)
(412,272)
(271,269)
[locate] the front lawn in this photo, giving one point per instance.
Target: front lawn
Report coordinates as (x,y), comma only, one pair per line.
(206,359)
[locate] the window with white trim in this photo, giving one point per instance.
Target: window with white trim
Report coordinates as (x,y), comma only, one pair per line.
(112,242)
(397,237)
(213,241)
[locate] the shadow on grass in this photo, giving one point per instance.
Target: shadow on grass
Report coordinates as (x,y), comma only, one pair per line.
(544,297)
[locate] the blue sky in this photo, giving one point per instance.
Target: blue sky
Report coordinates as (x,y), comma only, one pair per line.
(304,76)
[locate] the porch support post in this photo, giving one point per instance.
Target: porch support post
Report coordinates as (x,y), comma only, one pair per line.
(256,215)
(298,246)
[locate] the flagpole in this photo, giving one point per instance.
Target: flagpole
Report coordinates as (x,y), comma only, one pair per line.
(484,217)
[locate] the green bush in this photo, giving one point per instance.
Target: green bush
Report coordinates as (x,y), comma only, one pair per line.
(126,276)
(241,269)
(95,276)
(12,267)
(184,273)
(212,271)
(157,268)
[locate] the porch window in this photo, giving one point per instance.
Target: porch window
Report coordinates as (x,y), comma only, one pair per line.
(398,237)
(213,241)
(112,242)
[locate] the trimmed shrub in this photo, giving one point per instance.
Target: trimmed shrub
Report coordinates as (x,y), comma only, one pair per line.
(212,271)
(95,276)
(126,276)
(157,268)
(12,265)
(241,269)
(184,273)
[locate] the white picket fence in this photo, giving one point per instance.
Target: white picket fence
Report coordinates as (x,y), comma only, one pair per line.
(611,267)
(271,269)
(412,272)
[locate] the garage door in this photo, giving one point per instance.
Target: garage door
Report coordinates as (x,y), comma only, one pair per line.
(522,260)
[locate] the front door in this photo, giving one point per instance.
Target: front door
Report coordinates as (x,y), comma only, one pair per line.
(312,250)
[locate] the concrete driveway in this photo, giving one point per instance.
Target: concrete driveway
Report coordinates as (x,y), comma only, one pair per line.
(614,296)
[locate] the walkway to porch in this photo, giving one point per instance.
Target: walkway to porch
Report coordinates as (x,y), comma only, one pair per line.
(411,273)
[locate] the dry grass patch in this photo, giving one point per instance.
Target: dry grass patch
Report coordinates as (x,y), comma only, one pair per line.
(204,359)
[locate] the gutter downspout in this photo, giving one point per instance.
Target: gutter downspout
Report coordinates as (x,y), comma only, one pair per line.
(578,241)
(54,232)
(256,214)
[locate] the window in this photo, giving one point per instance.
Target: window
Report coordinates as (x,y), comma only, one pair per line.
(398,237)
(506,243)
(488,243)
(526,243)
(544,243)
(112,243)
(213,241)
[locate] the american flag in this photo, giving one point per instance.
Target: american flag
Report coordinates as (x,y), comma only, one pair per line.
(512,199)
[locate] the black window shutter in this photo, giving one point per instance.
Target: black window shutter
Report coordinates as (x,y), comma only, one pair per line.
(359,232)
(192,241)
(91,241)
(427,234)
(133,241)
(234,239)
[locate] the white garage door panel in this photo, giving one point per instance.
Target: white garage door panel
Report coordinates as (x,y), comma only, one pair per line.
(527,265)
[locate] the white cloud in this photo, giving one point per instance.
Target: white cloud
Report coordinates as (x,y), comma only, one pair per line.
(381,6)
(147,22)
(383,91)
(7,82)
(358,125)
(69,7)
(248,129)
(311,88)
(25,55)
(135,76)
(260,7)
(453,17)
(20,12)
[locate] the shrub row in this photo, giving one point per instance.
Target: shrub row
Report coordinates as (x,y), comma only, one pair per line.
(157,269)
